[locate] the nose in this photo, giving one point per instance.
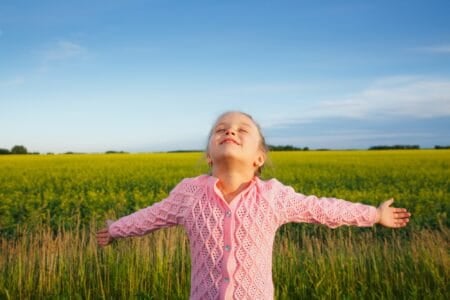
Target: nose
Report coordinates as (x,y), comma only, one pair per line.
(230,131)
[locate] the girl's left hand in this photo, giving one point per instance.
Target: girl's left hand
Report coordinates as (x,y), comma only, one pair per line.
(391,216)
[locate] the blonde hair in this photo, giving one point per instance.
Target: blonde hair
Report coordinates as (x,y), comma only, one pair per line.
(262,145)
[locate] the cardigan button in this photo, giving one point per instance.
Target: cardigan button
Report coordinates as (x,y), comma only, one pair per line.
(228,213)
(227,247)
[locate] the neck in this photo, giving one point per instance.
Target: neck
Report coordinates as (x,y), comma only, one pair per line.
(231,183)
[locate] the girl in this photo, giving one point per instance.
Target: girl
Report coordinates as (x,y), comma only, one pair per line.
(231,216)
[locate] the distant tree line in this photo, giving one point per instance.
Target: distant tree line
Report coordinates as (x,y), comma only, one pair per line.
(4,151)
(395,147)
(185,151)
(20,149)
(17,149)
(441,147)
(115,152)
(286,148)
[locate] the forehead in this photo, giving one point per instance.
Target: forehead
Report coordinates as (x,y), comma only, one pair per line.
(235,118)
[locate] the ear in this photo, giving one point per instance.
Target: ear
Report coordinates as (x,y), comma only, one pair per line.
(208,159)
(260,159)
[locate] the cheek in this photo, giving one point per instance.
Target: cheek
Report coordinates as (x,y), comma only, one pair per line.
(211,146)
(256,143)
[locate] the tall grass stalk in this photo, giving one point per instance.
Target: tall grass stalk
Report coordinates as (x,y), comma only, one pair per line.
(339,264)
(335,264)
(41,264)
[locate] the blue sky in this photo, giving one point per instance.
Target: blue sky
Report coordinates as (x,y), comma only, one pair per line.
(93,76)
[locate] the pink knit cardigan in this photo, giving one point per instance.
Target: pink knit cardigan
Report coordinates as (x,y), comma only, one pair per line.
(231,244)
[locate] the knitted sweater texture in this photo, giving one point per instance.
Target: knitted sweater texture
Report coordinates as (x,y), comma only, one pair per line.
(231,244)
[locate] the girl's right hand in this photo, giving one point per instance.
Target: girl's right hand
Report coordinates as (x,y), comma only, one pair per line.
(103,236)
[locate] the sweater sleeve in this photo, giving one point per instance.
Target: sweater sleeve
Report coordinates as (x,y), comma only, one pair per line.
(168,212)
(332,212)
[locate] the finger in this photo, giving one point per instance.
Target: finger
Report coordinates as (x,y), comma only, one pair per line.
(399,219)
(102,235)
(399,210)
(388,203)
(103,232)
(402,222)
(103,242)
(401,215)
(102,239)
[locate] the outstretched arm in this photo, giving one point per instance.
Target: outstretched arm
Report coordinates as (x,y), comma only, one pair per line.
(332,212)
(391,216)
(168,212)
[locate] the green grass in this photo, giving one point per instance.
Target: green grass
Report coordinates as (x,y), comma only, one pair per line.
(335,264)
(51,206)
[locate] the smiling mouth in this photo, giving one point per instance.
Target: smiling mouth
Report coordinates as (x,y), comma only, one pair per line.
(229,141)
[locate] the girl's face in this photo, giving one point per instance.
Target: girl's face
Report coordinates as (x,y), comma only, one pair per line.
(235,136)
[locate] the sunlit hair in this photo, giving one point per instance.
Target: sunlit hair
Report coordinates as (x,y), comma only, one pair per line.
(262,145)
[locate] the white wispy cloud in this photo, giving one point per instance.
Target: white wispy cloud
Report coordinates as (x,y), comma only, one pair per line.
(274,88)
(344,139)
(438,49)
(18,80)
(63,50)
(401,96)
